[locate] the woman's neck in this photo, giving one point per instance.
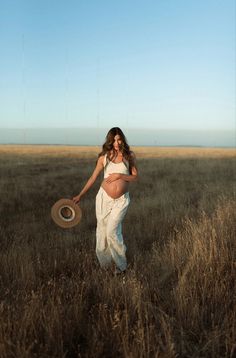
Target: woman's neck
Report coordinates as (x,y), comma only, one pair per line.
(114,154)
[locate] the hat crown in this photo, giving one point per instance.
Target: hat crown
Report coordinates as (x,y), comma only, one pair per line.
(65,213)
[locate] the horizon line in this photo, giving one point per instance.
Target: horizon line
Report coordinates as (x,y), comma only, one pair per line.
(135,145)
(128,128)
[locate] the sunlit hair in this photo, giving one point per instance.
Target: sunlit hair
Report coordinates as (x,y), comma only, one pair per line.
(108,148)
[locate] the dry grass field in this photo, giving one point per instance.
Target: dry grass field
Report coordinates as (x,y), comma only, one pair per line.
(178,298)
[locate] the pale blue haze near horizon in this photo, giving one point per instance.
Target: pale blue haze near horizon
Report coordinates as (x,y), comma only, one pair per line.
(157,65)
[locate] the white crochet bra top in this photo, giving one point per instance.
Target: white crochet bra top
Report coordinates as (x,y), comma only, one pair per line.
(110,167)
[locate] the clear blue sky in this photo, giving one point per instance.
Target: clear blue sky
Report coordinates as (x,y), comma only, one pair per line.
(163,64)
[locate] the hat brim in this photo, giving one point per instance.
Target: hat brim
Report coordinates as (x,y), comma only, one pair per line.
(73,217)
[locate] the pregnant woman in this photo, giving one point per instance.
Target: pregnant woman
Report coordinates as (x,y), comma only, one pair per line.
(112,199)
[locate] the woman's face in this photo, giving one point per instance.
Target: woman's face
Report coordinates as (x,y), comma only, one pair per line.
(117,142)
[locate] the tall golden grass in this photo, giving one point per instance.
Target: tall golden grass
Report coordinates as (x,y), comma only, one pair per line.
(178,298)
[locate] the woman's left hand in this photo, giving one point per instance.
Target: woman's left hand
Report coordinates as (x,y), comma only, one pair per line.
(112,177)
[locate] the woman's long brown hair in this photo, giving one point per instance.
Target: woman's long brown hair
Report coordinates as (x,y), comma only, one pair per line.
(108,149)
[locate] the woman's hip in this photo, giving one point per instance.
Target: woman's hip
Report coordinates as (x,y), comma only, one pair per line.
(105,204)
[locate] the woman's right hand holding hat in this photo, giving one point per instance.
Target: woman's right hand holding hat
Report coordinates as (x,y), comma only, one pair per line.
(76,199)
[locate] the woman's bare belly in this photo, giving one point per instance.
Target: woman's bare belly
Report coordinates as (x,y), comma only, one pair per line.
(116,188)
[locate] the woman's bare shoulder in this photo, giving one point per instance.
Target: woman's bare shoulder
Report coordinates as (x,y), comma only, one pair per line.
(102,156)
(102,159)
(132,159)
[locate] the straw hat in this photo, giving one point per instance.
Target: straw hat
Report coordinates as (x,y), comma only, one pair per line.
(66,213)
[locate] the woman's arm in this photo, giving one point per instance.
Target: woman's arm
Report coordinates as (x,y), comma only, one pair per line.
(115,176)
(91,181)
(134,170)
